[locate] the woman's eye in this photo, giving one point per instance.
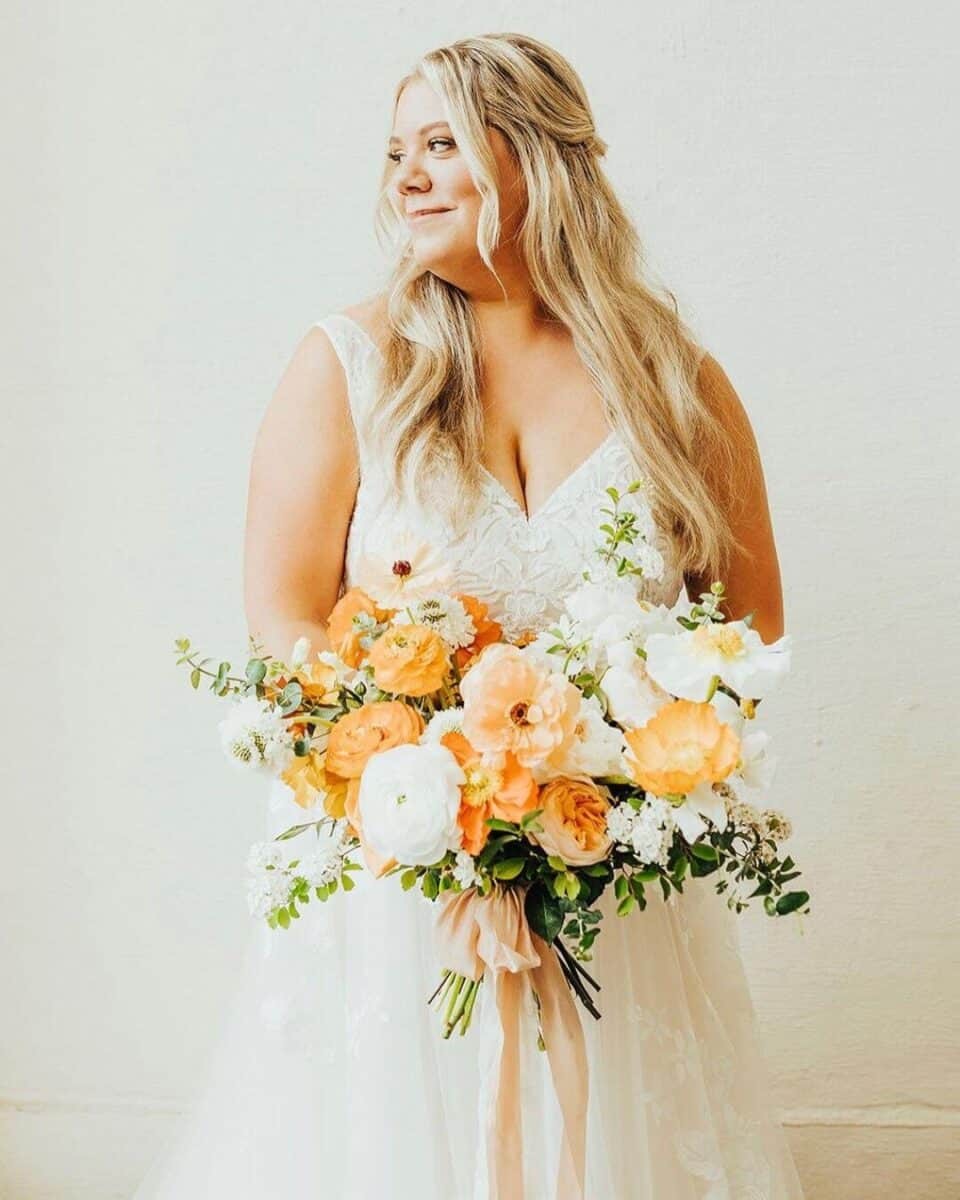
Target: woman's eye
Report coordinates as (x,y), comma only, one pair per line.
(395,155)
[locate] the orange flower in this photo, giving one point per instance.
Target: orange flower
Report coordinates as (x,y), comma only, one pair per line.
(683,745)
(410,659)
(310,780)
(377,865)
(344,637)
(319,683)
(574,820)
(363,731)
(487,629)
(511,703)
(506,793)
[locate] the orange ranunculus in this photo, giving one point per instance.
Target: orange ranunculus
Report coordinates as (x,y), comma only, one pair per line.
(363,731)
(682,745)
(344,637)
(377,865)
(507,792)
(511,703)
(411,660)
(487,629)
(574,820)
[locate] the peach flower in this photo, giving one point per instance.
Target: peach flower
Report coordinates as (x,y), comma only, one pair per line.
(574,820)
(684,745)
(344,636)
(412,660)
(375,863)
(363,731)
(488,630)
(506,793)
(512,704)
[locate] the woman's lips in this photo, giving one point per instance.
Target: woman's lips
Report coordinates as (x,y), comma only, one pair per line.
(422,216)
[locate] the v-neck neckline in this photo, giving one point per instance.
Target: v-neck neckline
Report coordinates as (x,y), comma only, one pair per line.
(518,510)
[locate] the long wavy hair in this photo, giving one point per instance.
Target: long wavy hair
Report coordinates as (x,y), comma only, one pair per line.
(585,262)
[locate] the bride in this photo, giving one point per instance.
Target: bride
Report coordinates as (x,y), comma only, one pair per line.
(516,364)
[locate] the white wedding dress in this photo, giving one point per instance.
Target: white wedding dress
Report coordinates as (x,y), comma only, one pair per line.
(330,1078)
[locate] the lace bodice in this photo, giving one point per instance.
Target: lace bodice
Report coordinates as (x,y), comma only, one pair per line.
(519,567)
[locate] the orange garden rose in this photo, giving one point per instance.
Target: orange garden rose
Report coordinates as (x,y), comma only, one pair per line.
(683,745)
(375,864)
(506,793)
(574,820)
(363,731)
(487,629)
(412,660)
(344,638)
(512,704)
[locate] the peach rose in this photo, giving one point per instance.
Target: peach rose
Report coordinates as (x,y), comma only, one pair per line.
(411,660)
(512,704)
(574,820)
(363,731)
(343,635)
(488,630)
(375,864)
(684,745)
(506,793)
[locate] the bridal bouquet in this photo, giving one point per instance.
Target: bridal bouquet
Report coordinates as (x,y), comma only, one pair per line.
(516,781)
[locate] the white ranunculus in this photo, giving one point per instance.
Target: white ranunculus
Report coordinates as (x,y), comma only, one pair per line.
(596,751)
(685,663)
(409,799)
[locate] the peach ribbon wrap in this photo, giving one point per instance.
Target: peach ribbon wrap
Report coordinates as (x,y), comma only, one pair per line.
(474,932)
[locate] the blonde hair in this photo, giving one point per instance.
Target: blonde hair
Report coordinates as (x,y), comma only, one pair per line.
(585,263)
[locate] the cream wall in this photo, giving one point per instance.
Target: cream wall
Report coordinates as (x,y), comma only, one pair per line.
(193,186)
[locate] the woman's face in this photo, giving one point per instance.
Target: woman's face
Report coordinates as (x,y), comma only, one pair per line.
(431,173)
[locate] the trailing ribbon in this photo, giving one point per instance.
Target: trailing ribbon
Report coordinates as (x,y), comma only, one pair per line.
(474,932)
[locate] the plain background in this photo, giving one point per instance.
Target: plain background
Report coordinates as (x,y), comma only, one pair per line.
(189,187)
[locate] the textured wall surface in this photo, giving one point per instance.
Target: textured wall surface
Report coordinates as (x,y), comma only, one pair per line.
(195,187)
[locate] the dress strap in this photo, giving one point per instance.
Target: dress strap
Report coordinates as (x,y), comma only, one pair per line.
(355,351)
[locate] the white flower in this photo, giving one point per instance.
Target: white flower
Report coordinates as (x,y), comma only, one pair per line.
(632,696)
(399,567)
(408,801)
(300,652)
(465,871)
(648,833)
(702,802)
(757,767)
(265,854)
(444,720)
(594,603)
(685,663)
(445,614)
(268,891)
(595,751)
(571,634)
(345,674)
(254,736)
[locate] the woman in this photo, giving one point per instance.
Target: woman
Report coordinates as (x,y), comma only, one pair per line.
(516,364)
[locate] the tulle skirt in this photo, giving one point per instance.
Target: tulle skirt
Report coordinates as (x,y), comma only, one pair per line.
(330,1077)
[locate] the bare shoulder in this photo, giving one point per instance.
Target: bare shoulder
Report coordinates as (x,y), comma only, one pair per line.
(371,316)
(716,390)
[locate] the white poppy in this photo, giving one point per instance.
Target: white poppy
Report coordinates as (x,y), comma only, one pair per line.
(702,802)
(400,567)
(685,663)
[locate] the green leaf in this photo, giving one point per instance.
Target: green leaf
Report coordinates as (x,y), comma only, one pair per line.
(543,912)
(596,871)
(705,851)
(625,905)
(791,901)
(256,671)
(555,861)
(347,883)
(430,887)
(195,678)
(621,886)
(284,918)
(508,868)
(408,878)
(497,823)
(528,818)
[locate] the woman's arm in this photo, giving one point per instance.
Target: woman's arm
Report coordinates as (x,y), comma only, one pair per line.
(752,584)
(303,482)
